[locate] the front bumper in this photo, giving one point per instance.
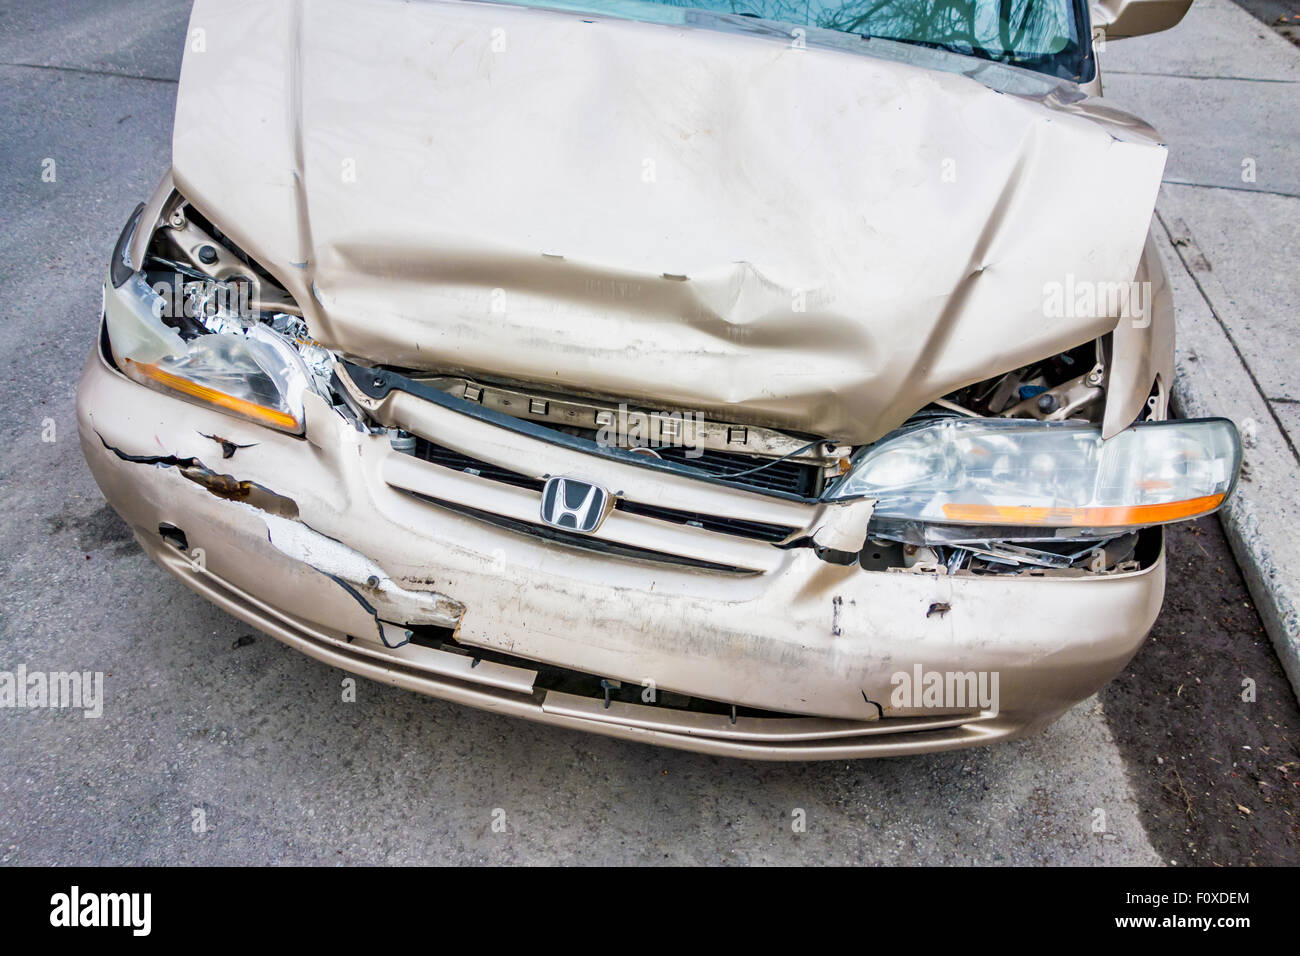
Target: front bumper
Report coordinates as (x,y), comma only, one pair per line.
(313,541)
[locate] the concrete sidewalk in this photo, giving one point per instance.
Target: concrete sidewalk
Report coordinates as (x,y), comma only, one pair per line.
(1221,89)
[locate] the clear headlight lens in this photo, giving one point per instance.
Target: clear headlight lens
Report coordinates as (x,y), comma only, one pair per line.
(1048,474)
(255,374)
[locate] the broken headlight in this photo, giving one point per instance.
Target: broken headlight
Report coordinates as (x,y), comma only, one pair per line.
(204,342)
(1047,475)
(255,374)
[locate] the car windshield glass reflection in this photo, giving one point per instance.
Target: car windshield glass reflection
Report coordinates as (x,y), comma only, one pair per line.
(1040,34)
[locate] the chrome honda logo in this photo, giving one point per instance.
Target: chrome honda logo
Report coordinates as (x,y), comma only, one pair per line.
(574,505)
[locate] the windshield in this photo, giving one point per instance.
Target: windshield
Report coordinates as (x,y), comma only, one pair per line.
(1040,34)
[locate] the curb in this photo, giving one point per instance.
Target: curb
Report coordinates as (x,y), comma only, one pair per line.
(1212,378)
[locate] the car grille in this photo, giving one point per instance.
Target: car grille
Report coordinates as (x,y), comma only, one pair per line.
(573,539)
(760,531)
(790,477)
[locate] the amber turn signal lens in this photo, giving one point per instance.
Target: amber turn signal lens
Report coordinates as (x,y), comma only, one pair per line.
(239,406)
(1112,517)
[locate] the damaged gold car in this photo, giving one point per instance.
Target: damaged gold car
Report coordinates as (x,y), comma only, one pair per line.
(762,379)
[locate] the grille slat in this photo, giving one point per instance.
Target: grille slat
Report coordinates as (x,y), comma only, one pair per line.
(455,460)
(789,476)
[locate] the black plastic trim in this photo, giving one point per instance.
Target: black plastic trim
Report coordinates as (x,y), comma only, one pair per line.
(119,267)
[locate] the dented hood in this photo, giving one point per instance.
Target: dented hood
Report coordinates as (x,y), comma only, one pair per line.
(693,215)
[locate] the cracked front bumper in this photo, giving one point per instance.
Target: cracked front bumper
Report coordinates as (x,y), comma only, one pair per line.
(311,540)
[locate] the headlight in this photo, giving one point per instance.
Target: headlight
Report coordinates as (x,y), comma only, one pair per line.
(1048,474)
(254,374)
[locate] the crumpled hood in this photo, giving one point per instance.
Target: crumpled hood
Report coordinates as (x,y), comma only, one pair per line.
(810,239)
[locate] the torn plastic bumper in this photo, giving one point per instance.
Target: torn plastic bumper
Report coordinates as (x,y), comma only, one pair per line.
(800,653)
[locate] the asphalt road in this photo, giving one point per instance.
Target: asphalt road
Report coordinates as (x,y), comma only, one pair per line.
(1282,15)
(202,722)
